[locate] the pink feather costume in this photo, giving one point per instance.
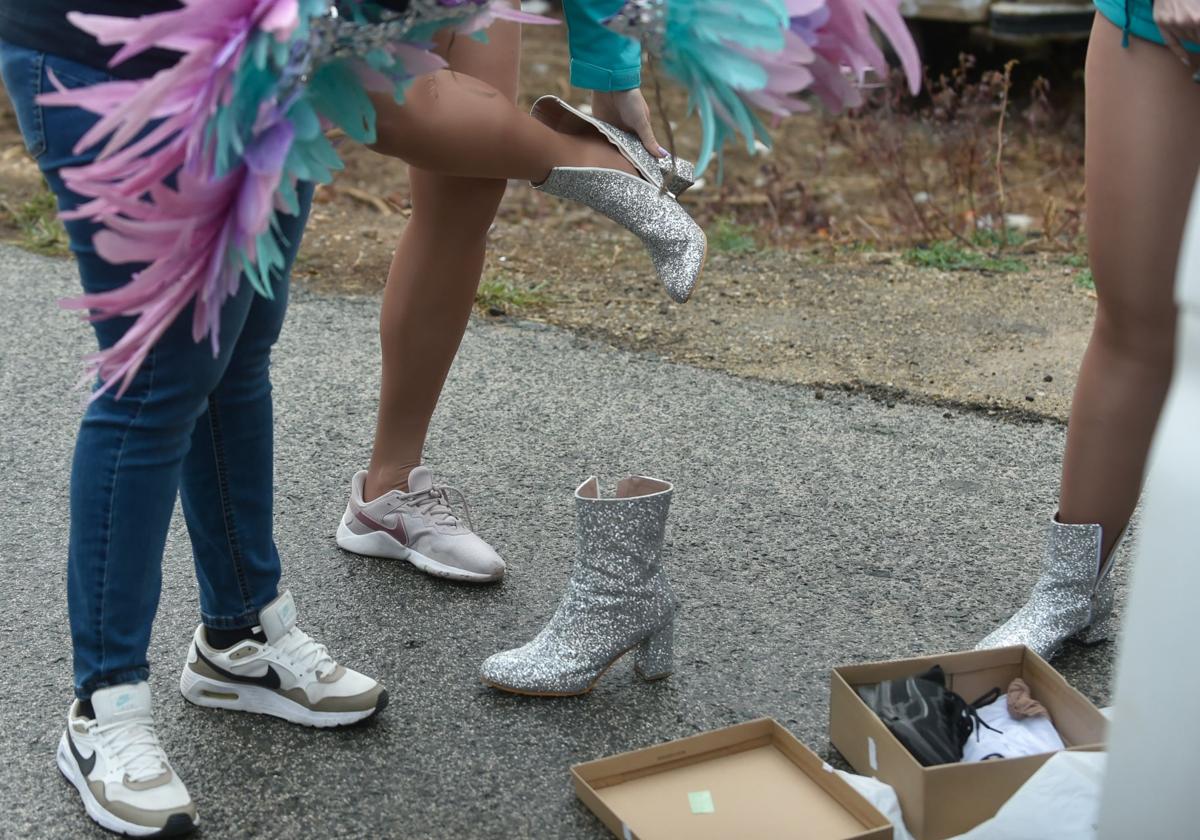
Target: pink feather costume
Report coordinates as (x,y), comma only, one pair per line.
(197,161)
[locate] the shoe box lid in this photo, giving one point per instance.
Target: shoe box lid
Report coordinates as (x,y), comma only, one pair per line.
(950,799)
(753,781)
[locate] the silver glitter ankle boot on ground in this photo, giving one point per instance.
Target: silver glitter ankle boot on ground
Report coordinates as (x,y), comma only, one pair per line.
(644,204)
(618,598)
(1072,599)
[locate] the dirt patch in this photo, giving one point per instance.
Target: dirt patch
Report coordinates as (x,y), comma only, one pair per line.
(810,279)
(1006,342)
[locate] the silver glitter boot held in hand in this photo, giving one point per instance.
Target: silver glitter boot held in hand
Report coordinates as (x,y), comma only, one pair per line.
(617,600)
(1073,598)
(644,205)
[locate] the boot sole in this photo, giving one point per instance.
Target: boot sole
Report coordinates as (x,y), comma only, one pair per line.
(588,690)
(699,274)
(699,271)
(703,265)
(1081,638)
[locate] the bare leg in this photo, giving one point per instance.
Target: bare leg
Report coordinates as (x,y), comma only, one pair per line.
(1143,118)
(454,124)
(432,282)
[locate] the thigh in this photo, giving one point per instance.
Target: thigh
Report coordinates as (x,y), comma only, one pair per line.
(497,62)
(1143,121)
(22,70)
(50,135)
(170,393)
(250,363)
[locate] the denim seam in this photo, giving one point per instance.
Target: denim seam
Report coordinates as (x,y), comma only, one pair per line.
(230,622)
(130,675)
(150,364)
(235,549)
(71,80)
(39,117)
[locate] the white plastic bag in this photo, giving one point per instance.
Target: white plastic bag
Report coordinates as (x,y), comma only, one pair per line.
(1061,801)
(883,797)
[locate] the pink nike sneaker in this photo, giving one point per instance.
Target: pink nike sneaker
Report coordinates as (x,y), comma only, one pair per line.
(419,526)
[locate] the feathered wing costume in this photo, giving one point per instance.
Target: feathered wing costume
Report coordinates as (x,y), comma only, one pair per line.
(738,56)
(196,162)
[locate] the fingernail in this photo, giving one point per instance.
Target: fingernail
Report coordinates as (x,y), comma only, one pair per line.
(663,151)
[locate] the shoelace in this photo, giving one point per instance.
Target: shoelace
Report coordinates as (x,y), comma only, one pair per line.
(134,745)
(435,503)
(971,713)
(306,653)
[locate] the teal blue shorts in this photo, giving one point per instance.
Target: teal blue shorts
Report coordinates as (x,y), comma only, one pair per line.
(1140,16)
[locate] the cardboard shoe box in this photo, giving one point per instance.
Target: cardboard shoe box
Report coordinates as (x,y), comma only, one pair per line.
(949,799)
(753,781)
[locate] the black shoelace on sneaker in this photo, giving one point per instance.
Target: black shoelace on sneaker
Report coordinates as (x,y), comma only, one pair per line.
(971,714)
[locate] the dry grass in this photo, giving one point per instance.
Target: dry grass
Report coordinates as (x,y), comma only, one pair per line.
(928,247)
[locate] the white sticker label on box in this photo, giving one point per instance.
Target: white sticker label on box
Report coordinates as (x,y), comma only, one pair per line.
(872,756)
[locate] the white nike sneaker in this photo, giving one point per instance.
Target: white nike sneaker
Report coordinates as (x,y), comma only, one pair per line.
(290,676)
(418,526)
(119,768)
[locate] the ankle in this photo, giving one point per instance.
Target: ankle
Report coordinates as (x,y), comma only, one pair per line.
(223,639)
(379,482)
(596,151)
(609,157)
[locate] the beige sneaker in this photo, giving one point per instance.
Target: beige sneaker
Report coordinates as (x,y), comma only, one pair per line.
(119,768)
(419,526)
(288,676)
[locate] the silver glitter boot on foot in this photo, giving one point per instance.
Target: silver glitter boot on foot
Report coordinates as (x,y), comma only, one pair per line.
(644,204)
(618,598)
(1072,599)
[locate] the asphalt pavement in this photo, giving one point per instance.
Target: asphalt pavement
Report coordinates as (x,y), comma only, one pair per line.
(808,530)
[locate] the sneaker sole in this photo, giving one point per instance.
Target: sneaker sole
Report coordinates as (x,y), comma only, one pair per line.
(177,825)
(239,697)
(381,545)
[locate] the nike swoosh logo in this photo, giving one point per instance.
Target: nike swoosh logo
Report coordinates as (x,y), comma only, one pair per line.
(85,764)
(398,533)
(268,680)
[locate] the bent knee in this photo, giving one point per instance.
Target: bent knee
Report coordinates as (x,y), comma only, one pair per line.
(468,205)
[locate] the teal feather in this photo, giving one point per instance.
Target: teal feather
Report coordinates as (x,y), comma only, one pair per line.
(269,261)
(312,156)
(338,95)
(705,46)
(254,84)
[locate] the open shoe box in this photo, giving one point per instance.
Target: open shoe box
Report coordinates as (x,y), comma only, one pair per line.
(950,799)
(753,781)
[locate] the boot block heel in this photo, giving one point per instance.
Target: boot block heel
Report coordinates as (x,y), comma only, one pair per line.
(678,175)
(656,654)
(1098,631)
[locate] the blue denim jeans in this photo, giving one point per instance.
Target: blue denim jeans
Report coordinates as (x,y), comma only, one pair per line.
(192,424)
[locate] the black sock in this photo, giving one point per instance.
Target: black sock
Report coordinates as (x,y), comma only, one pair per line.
(86,710)
(225,639)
